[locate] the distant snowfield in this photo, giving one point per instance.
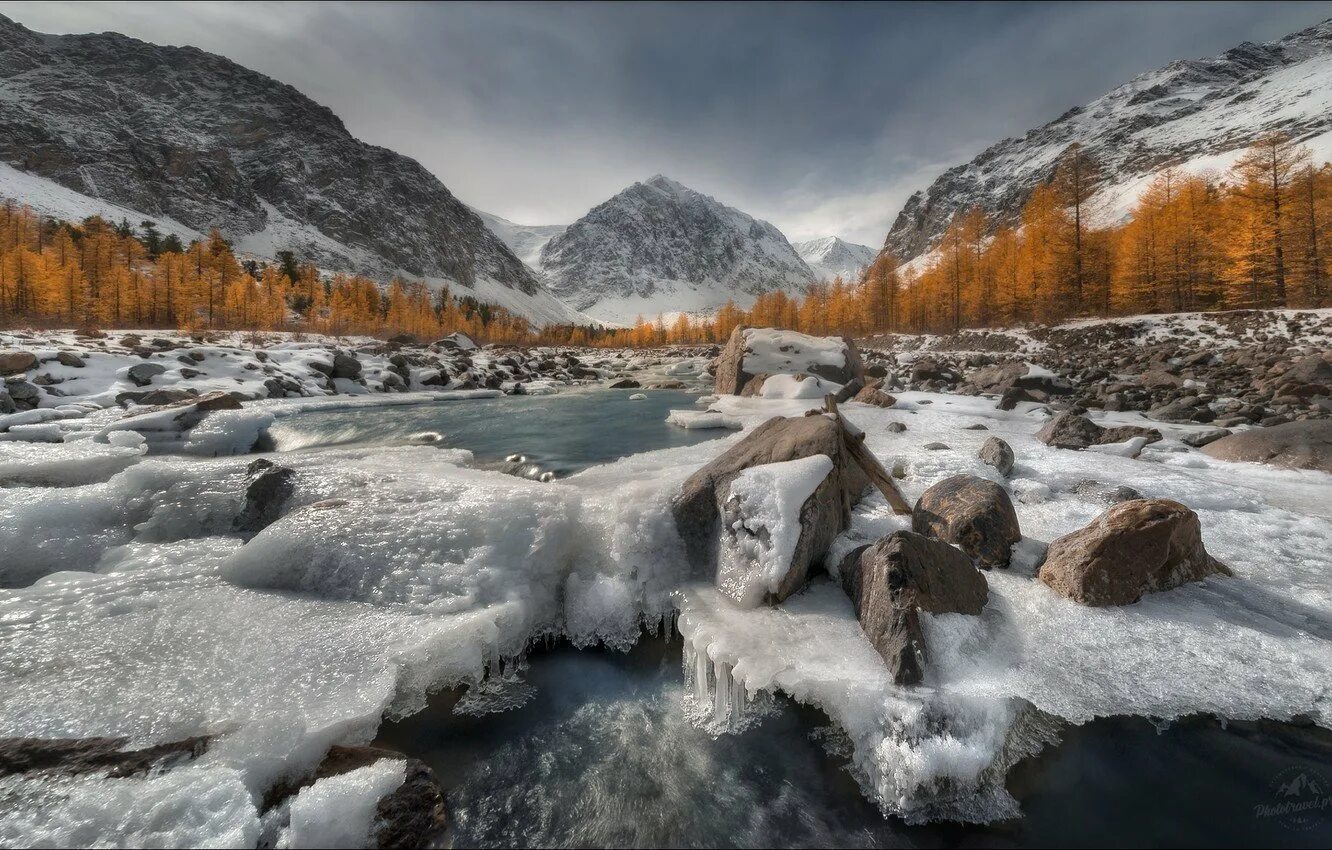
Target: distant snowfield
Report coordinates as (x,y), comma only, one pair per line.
(398,570)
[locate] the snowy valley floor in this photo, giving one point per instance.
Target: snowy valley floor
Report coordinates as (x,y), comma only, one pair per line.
(135,610)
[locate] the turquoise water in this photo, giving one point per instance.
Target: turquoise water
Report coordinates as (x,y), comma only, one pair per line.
(559,434)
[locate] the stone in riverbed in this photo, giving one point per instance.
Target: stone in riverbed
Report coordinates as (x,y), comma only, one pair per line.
(1306,444)
(102,756)
(893,579)
(345,366)
(793,352)
(896,427)
(142,374)
(703,499)
(1198,439)
(1075,431)
(972,512)
(269,489)
(997,453)
(16,362)
(874,394)
(625,384)
(1136,547)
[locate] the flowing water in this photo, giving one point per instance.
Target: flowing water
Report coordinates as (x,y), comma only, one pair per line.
(597,749)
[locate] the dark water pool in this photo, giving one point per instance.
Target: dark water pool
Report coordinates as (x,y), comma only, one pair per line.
(561,433)
(603,754)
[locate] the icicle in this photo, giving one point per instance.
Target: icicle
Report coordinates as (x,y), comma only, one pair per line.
(721,698)
(701,664)
(739,696)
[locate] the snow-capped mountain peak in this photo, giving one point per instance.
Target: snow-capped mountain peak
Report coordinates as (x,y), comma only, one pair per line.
(660,247)
(830,257)
(195,141)
(1194,114)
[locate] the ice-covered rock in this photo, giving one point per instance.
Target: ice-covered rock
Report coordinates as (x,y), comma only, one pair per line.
(1136,547)
(768,351)
(813,521)
(972,512)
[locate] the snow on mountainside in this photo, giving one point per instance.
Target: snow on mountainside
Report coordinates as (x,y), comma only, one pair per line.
(524,240)
(1197,114)
(831,257)
(660,247)
(194,141)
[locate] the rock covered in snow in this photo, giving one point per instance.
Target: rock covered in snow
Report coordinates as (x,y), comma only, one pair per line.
(780,519)
(751,352)
(1136,547)
(897,577)
(973,513)
(1294,445)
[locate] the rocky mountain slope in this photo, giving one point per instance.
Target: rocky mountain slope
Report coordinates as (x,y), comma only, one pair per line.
(1196,113)
(660,247)
(196,141)
(830,257)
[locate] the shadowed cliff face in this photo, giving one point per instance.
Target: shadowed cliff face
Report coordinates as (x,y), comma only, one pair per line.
(179,133)
(1182,114)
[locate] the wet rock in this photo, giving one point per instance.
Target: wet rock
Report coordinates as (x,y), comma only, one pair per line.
(825,514)
(892,580)
(142,374)
(69,358)
(1137,547)
(16,362)
(973,513)
(268,491)
(98,756)
(625,384)
(997,453)
(1305,444)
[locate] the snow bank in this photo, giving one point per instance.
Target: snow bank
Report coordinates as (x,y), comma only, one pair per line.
(702,419)
(63,465)
(763,510)
(777,351)
(797,386)
(339,811)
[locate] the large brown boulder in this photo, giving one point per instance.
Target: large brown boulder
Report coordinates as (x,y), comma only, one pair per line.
(1136,547)
(972,512)
(14,362)
(751,352)
(873,394)
(706,495)
(1306,444)
(1075,431)
(892,580)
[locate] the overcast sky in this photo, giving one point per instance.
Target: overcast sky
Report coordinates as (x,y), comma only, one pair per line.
(821,118)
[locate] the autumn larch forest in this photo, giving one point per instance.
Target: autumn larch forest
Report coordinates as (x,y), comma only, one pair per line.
(1255,237)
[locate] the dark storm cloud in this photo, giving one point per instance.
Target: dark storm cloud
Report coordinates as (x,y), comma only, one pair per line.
(821,118)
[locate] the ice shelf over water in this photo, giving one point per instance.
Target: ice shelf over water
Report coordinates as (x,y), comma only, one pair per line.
(132,609)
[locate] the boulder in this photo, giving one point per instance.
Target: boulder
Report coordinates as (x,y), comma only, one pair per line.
(7,404)
(874,394)
(16,362)
(142,374)
(69,358)
(757,351)
(25,396)
(1198,439)
(269,489)
(1109,494)
(1136,547)
(706,496)
(345,366)
(892,580)
(1305,444)
(625,384)
(973,513)
(1075,431)
(997,453)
